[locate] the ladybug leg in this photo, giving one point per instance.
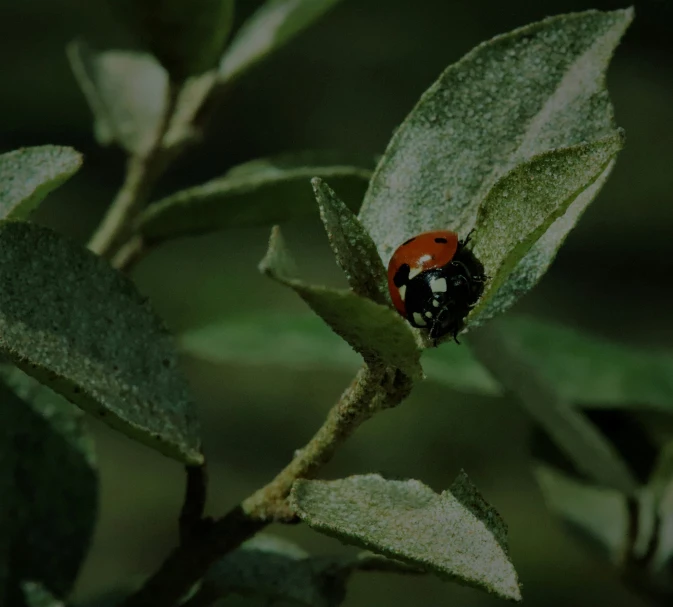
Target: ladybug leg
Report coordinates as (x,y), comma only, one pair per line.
(467,238)
(455,336)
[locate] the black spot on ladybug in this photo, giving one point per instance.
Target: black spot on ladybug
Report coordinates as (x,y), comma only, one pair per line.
(402,275)
(408,241)
(441,240)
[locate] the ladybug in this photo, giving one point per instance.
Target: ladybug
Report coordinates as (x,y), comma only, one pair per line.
(434,281)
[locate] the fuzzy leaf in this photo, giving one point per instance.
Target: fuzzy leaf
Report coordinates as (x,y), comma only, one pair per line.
(81,328)
(599,514)
(455,535)
(524,203)
(275,23)
(260,194)
(49,487)
(186,37)
(537,88)
(372,330)
(29,174)
(539,257)
(353,247)
(36,595)
(126,92)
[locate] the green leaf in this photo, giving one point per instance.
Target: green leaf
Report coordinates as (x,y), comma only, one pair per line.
(301,341)
(49,488)
(539,257)
(455,535)
(81,328)
(537,88)
(353,247)
(186,37)
(592,371)
(372,330)
(524,203)
(36,595)
(280,571)
(126,92)
(258,193)
(599,514)
(584,369)
(275,23)
(29,174)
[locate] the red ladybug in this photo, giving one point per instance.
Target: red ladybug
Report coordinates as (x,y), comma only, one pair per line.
(434,281)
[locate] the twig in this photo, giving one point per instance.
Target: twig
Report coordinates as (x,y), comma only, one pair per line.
(572,432)
(191,515)
(142,172)
(129,254)
(373,389)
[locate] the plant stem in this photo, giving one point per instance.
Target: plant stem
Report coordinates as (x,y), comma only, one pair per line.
(191,515)
(373,389)
(129,254)
(142,172)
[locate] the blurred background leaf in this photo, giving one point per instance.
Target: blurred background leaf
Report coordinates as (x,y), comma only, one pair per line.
(345,84)
(49,488)
(126,93)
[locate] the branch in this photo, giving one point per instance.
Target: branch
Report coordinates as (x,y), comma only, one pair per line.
(191,516)
(374,388)
(142,172)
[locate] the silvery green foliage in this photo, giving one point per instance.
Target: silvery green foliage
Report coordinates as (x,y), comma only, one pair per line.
(29,174)
(72,322)
(455,534)
(536,89)
(255,193)
(373,330)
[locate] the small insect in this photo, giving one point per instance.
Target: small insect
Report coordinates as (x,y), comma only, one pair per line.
(434,281)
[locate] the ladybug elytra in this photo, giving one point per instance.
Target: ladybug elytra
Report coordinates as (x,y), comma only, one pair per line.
(434,281)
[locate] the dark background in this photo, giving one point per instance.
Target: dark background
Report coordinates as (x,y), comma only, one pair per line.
(345,84)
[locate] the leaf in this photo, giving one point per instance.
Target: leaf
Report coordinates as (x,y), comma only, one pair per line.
(186,38)
(588,450)
(274,24)
(353,247)
(537,88)
(538,258)
(408,521)
(593,371)
(372,330)
(126,92)
(49,488)
(81,328)
(584,369)
(37,595)
(259,195)
(600,514)
(524,203)
(280,571)
(27,175)
(301,341)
